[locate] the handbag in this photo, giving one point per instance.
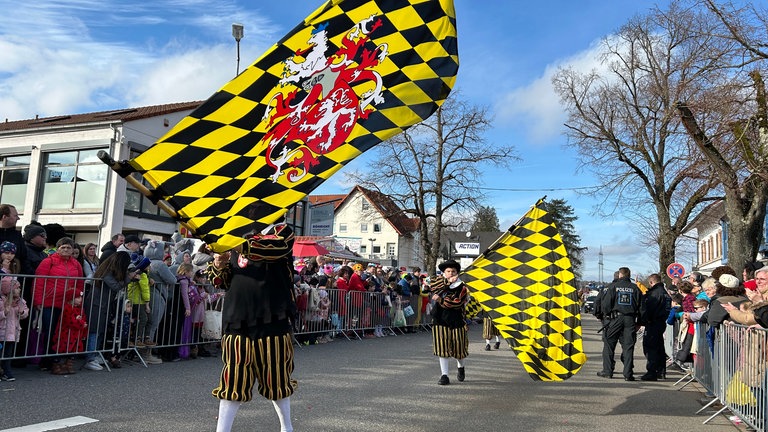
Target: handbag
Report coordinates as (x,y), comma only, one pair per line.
(212,322)
(408,311)
(399,318)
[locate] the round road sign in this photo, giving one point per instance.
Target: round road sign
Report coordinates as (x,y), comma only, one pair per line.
(675,270)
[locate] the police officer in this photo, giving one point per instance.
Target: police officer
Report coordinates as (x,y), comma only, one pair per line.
(653,315)
(620,306)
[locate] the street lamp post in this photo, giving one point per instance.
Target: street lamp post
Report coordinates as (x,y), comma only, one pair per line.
(372,239)
(237,33)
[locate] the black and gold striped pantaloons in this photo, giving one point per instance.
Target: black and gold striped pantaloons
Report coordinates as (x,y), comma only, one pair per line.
(448,342)
(268,360)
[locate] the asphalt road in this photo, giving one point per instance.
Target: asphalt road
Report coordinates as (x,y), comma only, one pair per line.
(384,384)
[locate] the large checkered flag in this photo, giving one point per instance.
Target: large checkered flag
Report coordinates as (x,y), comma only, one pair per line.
(352,74)
(523,282)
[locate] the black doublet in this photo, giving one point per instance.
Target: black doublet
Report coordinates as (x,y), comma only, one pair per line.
(259,300)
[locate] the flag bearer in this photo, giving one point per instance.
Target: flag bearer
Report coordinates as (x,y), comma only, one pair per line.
(449,329)
(256,342)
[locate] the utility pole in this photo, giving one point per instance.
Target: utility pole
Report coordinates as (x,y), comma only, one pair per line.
(600,264)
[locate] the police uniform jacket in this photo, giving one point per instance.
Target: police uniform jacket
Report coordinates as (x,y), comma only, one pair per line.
(656,305)
(622,297)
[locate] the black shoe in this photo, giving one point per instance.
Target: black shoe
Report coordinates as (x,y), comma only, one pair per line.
(649,377)
(444,380)
(496,345)
(604,374)
(487,347)
(629,378)
(460,375)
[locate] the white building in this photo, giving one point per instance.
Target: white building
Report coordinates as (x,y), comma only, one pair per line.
(369,223)
(50,172)
(711,226)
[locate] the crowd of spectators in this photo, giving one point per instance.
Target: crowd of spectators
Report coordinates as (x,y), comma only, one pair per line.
(149,297)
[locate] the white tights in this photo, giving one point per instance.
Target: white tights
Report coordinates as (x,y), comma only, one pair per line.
(228,410)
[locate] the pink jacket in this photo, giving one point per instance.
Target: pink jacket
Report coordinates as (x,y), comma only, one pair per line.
(49,291)
(10,323)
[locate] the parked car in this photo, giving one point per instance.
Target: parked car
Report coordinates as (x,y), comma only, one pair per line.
(589,303)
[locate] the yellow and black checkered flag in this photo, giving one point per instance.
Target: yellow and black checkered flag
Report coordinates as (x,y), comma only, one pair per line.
(352,74)
(523,282)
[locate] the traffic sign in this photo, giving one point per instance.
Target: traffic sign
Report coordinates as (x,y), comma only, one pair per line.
(675,270)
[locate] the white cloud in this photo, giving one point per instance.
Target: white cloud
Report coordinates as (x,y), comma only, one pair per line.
(57,58)
(536,107)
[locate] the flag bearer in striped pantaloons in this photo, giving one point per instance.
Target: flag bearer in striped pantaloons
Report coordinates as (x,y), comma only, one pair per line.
(256,343)
(449,329)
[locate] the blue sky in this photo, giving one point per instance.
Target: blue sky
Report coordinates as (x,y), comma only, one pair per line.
(86,55)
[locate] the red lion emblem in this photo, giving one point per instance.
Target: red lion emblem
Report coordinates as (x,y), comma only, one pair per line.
(299,130)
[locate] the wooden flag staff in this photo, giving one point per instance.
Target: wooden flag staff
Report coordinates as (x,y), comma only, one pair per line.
(125,171)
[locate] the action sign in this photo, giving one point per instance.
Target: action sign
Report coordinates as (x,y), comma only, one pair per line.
(675,270)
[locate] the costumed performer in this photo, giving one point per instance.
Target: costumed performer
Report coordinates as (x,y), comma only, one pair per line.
(449,329)
(256,327)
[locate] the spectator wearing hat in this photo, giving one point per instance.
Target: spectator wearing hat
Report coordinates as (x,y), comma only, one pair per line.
(9,264)
(54,276)
(729,290)
(449,329)
(111,246)
(132,244)
(13,309)
(757,311)
(35,244)
(70,331)
(138,292)
(356,289)
(163,302)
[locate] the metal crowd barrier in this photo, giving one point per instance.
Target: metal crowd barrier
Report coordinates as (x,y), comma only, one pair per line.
(354,315)
(133,334)
(112,331)
(732,365)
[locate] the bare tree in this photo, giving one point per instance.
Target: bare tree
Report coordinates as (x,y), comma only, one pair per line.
(730,127)
(746,25)
(624,123)
(433,169)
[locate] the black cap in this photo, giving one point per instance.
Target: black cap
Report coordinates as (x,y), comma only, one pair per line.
(32,230)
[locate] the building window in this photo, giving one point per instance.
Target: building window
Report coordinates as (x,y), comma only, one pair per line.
(376,249)
(14,177)
(296,215)
(377,228)
(366,204)
(363,249)
(135,202)
(342,227)
(363,227)
(73,180)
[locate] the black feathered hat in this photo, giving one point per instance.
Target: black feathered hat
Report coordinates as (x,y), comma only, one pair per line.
(450,264)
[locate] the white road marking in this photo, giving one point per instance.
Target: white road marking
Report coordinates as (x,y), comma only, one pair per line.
(53,425)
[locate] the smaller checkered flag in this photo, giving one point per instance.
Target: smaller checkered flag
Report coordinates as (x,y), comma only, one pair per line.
(523,281)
